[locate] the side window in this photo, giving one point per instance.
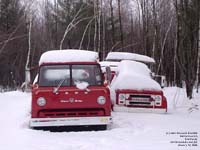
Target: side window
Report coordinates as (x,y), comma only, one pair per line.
(98,75)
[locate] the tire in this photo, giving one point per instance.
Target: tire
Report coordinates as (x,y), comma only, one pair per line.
(101,127)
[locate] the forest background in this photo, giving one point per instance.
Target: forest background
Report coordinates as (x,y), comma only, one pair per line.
(166,30)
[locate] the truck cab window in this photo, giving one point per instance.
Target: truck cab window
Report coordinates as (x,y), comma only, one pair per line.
(53,75)
(86,73)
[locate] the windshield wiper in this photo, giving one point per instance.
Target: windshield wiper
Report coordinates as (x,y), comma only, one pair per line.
(55,90)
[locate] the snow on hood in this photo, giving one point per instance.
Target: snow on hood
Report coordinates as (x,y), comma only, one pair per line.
(134,75)
(129,56)
(69,55)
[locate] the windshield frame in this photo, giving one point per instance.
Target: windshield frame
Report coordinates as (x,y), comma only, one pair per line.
(71,84)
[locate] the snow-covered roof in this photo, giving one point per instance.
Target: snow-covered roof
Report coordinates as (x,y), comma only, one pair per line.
(112,64)
(133,75)
(68,55)
(117,56)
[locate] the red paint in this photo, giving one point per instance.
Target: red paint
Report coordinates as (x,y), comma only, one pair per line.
(70,101)
(142,92)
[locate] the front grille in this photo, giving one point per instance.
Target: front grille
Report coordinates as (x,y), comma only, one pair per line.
(139,103)
(139,100)
(61,113)
(140,96)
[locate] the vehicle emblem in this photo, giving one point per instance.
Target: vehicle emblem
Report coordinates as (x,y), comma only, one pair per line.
(71,100)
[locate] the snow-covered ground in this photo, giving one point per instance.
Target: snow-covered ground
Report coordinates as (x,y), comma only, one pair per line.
(129,131)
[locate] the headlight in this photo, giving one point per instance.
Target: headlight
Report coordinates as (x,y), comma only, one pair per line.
(158,99)
(122,97)
(41,101)
(101,100)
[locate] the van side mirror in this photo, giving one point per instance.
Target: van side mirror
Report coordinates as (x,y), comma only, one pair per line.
(108,74)
(34,86)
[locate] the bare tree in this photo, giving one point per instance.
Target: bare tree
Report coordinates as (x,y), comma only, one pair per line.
(95,24)
(198,59)
(154,28)
(69,27)
(163,44)
(99,24)
(103,31)
(27,69)
(86,28)
(112,22)
(120,24)
(188,12)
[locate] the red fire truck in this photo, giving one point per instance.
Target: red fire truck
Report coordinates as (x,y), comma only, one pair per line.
(69,91)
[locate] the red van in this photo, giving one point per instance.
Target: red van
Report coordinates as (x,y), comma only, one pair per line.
(69,91)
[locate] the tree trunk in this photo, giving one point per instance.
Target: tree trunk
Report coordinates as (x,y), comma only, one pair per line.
(189,89)
(56,23)
(99,25)
(27,69)
(95,24)
(144,25)
(163,45)
(197,73)
(120,24)
(104,33)
(188,35)
(112,23)
(154,29)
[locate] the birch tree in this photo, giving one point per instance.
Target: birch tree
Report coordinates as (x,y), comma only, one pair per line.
(27,68)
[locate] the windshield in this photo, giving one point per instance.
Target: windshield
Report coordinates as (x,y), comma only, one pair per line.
(52,75)
(86,73)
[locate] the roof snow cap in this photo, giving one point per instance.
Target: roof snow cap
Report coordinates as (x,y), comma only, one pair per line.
(68,55)
(133,75)
(118,56)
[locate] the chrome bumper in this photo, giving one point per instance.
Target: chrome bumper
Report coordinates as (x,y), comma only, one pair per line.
(73,121)
(139,110)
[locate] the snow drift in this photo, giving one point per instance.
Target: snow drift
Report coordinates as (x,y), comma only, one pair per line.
(129,130)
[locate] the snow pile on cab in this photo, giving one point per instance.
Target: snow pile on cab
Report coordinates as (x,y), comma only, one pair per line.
(70,55)
(134,75)
(118,56)
(112,64)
